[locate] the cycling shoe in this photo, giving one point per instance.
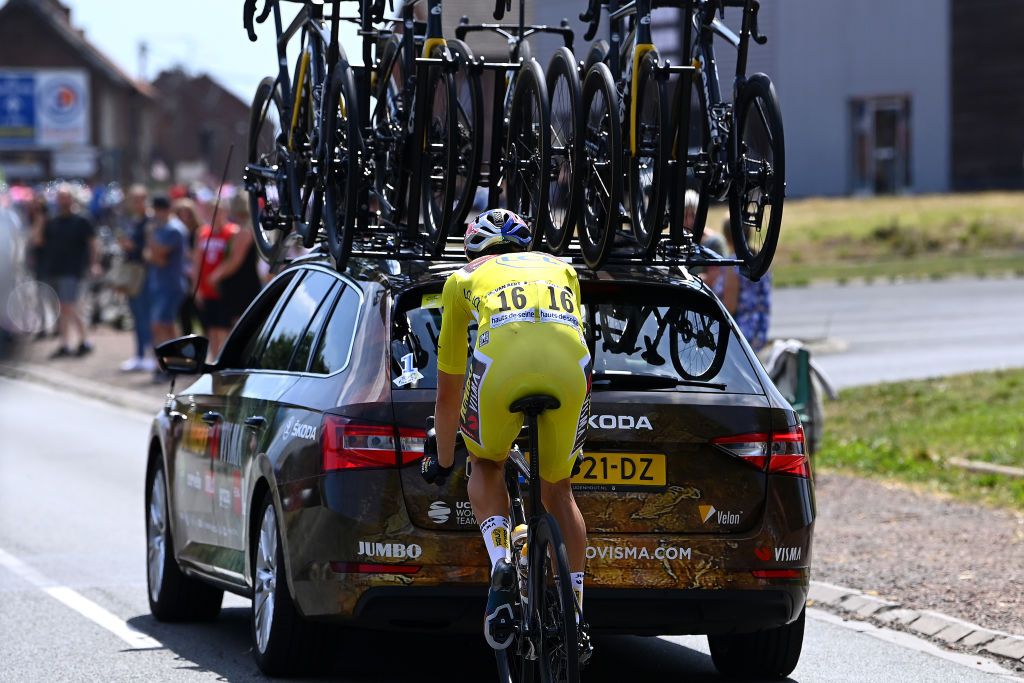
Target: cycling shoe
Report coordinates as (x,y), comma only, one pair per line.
(499,617)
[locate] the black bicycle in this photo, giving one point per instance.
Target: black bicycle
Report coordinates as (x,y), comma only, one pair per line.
(524,161)
(544,634)
(413,119)
(291,147)
(626,106)
(728,150)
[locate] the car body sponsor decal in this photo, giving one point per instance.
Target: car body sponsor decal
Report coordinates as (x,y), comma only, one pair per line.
(440,512)
(394,551)
(628,551)
(784,554)
(723,517)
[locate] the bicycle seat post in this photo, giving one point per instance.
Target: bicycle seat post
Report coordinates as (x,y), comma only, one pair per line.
(532,406)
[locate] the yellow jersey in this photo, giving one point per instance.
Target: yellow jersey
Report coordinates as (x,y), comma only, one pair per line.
(507,295)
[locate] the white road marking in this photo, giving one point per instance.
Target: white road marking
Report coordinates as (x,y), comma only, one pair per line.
(136,640)
(912,642)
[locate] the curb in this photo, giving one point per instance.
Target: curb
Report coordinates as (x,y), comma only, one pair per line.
(945,630)
(125,398)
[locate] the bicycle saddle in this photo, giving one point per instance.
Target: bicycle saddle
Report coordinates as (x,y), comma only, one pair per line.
(534,404)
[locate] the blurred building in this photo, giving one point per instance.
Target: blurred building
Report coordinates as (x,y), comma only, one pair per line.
(68,110)
(198,122)
(877,98)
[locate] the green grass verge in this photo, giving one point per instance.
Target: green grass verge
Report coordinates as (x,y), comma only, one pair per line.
(880,238)
(908,431)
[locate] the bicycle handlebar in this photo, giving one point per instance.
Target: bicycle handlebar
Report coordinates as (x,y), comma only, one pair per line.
(249,11)
(592,15)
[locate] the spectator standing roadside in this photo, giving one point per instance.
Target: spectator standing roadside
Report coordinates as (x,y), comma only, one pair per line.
(186,211)
(69,251)
(133,242)
(209,253)
(238,276)
(165,253)
(750,303)
(38,214)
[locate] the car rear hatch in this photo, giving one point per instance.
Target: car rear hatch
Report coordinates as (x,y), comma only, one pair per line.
(669,377)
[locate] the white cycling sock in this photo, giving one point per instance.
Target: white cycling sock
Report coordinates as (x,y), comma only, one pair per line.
(577,588)
(496,532)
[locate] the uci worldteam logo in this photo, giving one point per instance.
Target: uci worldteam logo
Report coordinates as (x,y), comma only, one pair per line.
(62,100)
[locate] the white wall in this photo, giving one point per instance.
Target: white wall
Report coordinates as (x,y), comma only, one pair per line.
(828,51)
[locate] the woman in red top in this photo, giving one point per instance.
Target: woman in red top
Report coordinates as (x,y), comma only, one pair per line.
(211,248)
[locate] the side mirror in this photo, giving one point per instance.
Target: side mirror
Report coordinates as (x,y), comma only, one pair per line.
(184,355)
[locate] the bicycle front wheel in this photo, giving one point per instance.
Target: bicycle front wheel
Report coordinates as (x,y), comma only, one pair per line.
(342,142)
(469,128)
(264,176)
(528,148)
(601,166)
(759,176)
(564,182)
(552,604)
(649,156)
(440,157)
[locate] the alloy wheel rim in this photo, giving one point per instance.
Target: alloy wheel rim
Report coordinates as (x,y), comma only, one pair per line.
(266,578)
(156,528)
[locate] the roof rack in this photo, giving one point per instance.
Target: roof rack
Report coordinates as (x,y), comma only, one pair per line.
(382,242)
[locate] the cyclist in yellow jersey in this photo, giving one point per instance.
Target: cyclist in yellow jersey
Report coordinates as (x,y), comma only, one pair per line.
(529,341)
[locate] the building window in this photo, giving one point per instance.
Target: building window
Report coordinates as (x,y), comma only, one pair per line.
(880,128)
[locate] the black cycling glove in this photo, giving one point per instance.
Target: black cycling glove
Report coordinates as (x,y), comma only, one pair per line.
(430,467)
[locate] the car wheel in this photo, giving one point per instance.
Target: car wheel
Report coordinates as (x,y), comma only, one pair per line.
(772,653)
(284,643)
(172,595)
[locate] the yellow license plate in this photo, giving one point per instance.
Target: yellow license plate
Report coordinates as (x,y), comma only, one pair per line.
(621,469)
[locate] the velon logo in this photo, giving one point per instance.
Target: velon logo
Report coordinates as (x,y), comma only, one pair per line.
(619,422)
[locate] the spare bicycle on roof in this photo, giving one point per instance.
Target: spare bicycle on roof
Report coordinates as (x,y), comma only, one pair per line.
(385,158)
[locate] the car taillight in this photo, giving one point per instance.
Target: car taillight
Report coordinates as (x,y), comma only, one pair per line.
(775,453)
(350,445)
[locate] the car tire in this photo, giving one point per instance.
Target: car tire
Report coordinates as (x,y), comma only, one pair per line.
(284,643)
(772,653)
(173,596)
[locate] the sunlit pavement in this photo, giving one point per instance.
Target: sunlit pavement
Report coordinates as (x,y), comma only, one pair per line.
(72,577)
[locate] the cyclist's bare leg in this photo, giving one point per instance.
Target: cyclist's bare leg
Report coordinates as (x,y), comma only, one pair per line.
(487,492)
(559,501)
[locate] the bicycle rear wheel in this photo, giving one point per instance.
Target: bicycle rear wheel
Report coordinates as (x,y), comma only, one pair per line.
(528,148)
(692,152)
(341,149)
(552,604)
(564,182)
(759,177)
(601,166)
(439,158)
(648,161)
(265,178)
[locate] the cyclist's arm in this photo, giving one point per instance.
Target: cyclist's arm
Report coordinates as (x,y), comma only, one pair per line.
(452,349)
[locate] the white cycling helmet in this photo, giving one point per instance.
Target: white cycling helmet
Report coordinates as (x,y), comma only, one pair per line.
(497,228)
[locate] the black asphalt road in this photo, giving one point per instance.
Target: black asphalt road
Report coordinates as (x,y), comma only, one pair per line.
(887,332)
(73,587)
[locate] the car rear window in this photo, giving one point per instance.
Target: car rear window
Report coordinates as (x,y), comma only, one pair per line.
(641,337)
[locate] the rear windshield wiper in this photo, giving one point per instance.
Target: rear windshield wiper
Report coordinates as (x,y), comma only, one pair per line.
(625,380)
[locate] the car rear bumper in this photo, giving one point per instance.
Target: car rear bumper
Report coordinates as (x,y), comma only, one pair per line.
(608,610)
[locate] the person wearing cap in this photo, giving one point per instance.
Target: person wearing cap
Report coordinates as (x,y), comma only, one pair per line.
(165,254)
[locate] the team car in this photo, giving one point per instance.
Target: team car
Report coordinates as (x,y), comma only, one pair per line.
(288,471)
